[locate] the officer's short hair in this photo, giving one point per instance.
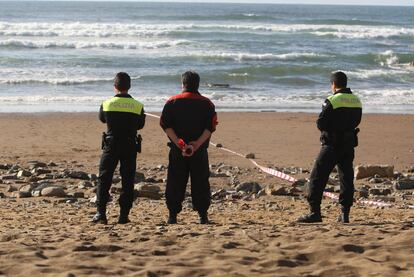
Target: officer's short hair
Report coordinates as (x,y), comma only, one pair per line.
(122,81)
(191,81)
(339,79)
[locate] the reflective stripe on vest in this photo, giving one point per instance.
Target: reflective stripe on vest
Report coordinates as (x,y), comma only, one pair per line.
(119,104)
(344,100)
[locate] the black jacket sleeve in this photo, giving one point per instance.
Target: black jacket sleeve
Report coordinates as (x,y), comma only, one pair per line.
(324,120)
(102,115)
(211,122)
(166,117)
(141,120)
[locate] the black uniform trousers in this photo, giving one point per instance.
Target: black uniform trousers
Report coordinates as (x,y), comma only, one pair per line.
(122,151)
(329,157)
(179,169)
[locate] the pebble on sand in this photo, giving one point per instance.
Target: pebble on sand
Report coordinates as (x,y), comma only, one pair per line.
(53,192)
(365,171)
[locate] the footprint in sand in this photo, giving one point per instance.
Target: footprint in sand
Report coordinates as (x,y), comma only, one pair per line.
(166,243)
(287,263)
(231,245)
(157,273)
(248,260)
(159,253)
(302,257)
(9,237)
(227,234)
(103,248)
(41,255)
(353,248)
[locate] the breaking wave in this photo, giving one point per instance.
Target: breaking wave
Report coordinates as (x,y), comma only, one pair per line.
(85,45)
(394,100)
(58,81)
(78,29)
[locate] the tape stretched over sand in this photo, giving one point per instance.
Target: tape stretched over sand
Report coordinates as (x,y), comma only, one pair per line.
(270,171)
(291,179)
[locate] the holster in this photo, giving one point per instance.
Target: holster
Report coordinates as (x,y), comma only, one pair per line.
(356,131)
(107,141)
(138,143)
(103,140)
(349,138)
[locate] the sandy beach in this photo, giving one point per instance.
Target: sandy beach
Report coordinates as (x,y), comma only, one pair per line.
(251,235)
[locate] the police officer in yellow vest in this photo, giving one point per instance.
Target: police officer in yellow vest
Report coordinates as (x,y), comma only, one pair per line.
(338,122)
(124,116)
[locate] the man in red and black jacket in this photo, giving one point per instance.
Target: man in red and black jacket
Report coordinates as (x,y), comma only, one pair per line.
(188,119)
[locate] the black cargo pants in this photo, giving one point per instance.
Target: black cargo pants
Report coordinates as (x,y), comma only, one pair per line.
(121,150)
(328,158)
(179,169)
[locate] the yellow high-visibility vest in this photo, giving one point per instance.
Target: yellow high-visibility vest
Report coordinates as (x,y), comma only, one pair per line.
(344,100)
(120,104)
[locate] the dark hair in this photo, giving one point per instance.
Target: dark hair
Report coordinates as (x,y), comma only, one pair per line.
(191,81)
(122,81)
(339,79)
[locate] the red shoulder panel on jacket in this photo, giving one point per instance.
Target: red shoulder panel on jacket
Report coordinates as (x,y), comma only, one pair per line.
(190,95)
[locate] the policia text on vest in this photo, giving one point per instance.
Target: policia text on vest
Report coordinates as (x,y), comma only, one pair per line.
(123,116)
(338,122)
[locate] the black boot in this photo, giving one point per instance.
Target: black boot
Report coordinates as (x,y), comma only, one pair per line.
(100,217)
(204,218)
(344,216)
(172,218)
(123,217)
(314,216)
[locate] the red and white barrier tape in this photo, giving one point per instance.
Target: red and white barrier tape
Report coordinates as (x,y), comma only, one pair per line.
(153,115)
(274,172)
(288,178)
(270,171)
(228,150)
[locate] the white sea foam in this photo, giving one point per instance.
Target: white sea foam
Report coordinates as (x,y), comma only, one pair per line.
(388,58)
(340,31)
(391,67)
(255,56)
(84,100)
(86,45)
(250,14)
(239,74)
(386,97)
(366,74)
(397,96)
(30,78)
(362,32)
(78,29)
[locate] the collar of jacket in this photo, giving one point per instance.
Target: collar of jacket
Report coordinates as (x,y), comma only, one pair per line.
(344,90)
(123,95)
(193,92)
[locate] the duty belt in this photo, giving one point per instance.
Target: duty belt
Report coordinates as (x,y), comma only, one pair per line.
(340,138)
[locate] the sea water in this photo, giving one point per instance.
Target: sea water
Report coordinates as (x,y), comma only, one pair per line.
(62,56)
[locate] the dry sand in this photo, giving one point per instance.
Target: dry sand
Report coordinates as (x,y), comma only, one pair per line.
(250,237)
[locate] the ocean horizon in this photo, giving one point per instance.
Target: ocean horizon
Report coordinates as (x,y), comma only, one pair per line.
(251,57)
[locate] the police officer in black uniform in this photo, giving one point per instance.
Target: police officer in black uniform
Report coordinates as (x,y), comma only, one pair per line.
(188,119)
(124,116)
(338,122)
